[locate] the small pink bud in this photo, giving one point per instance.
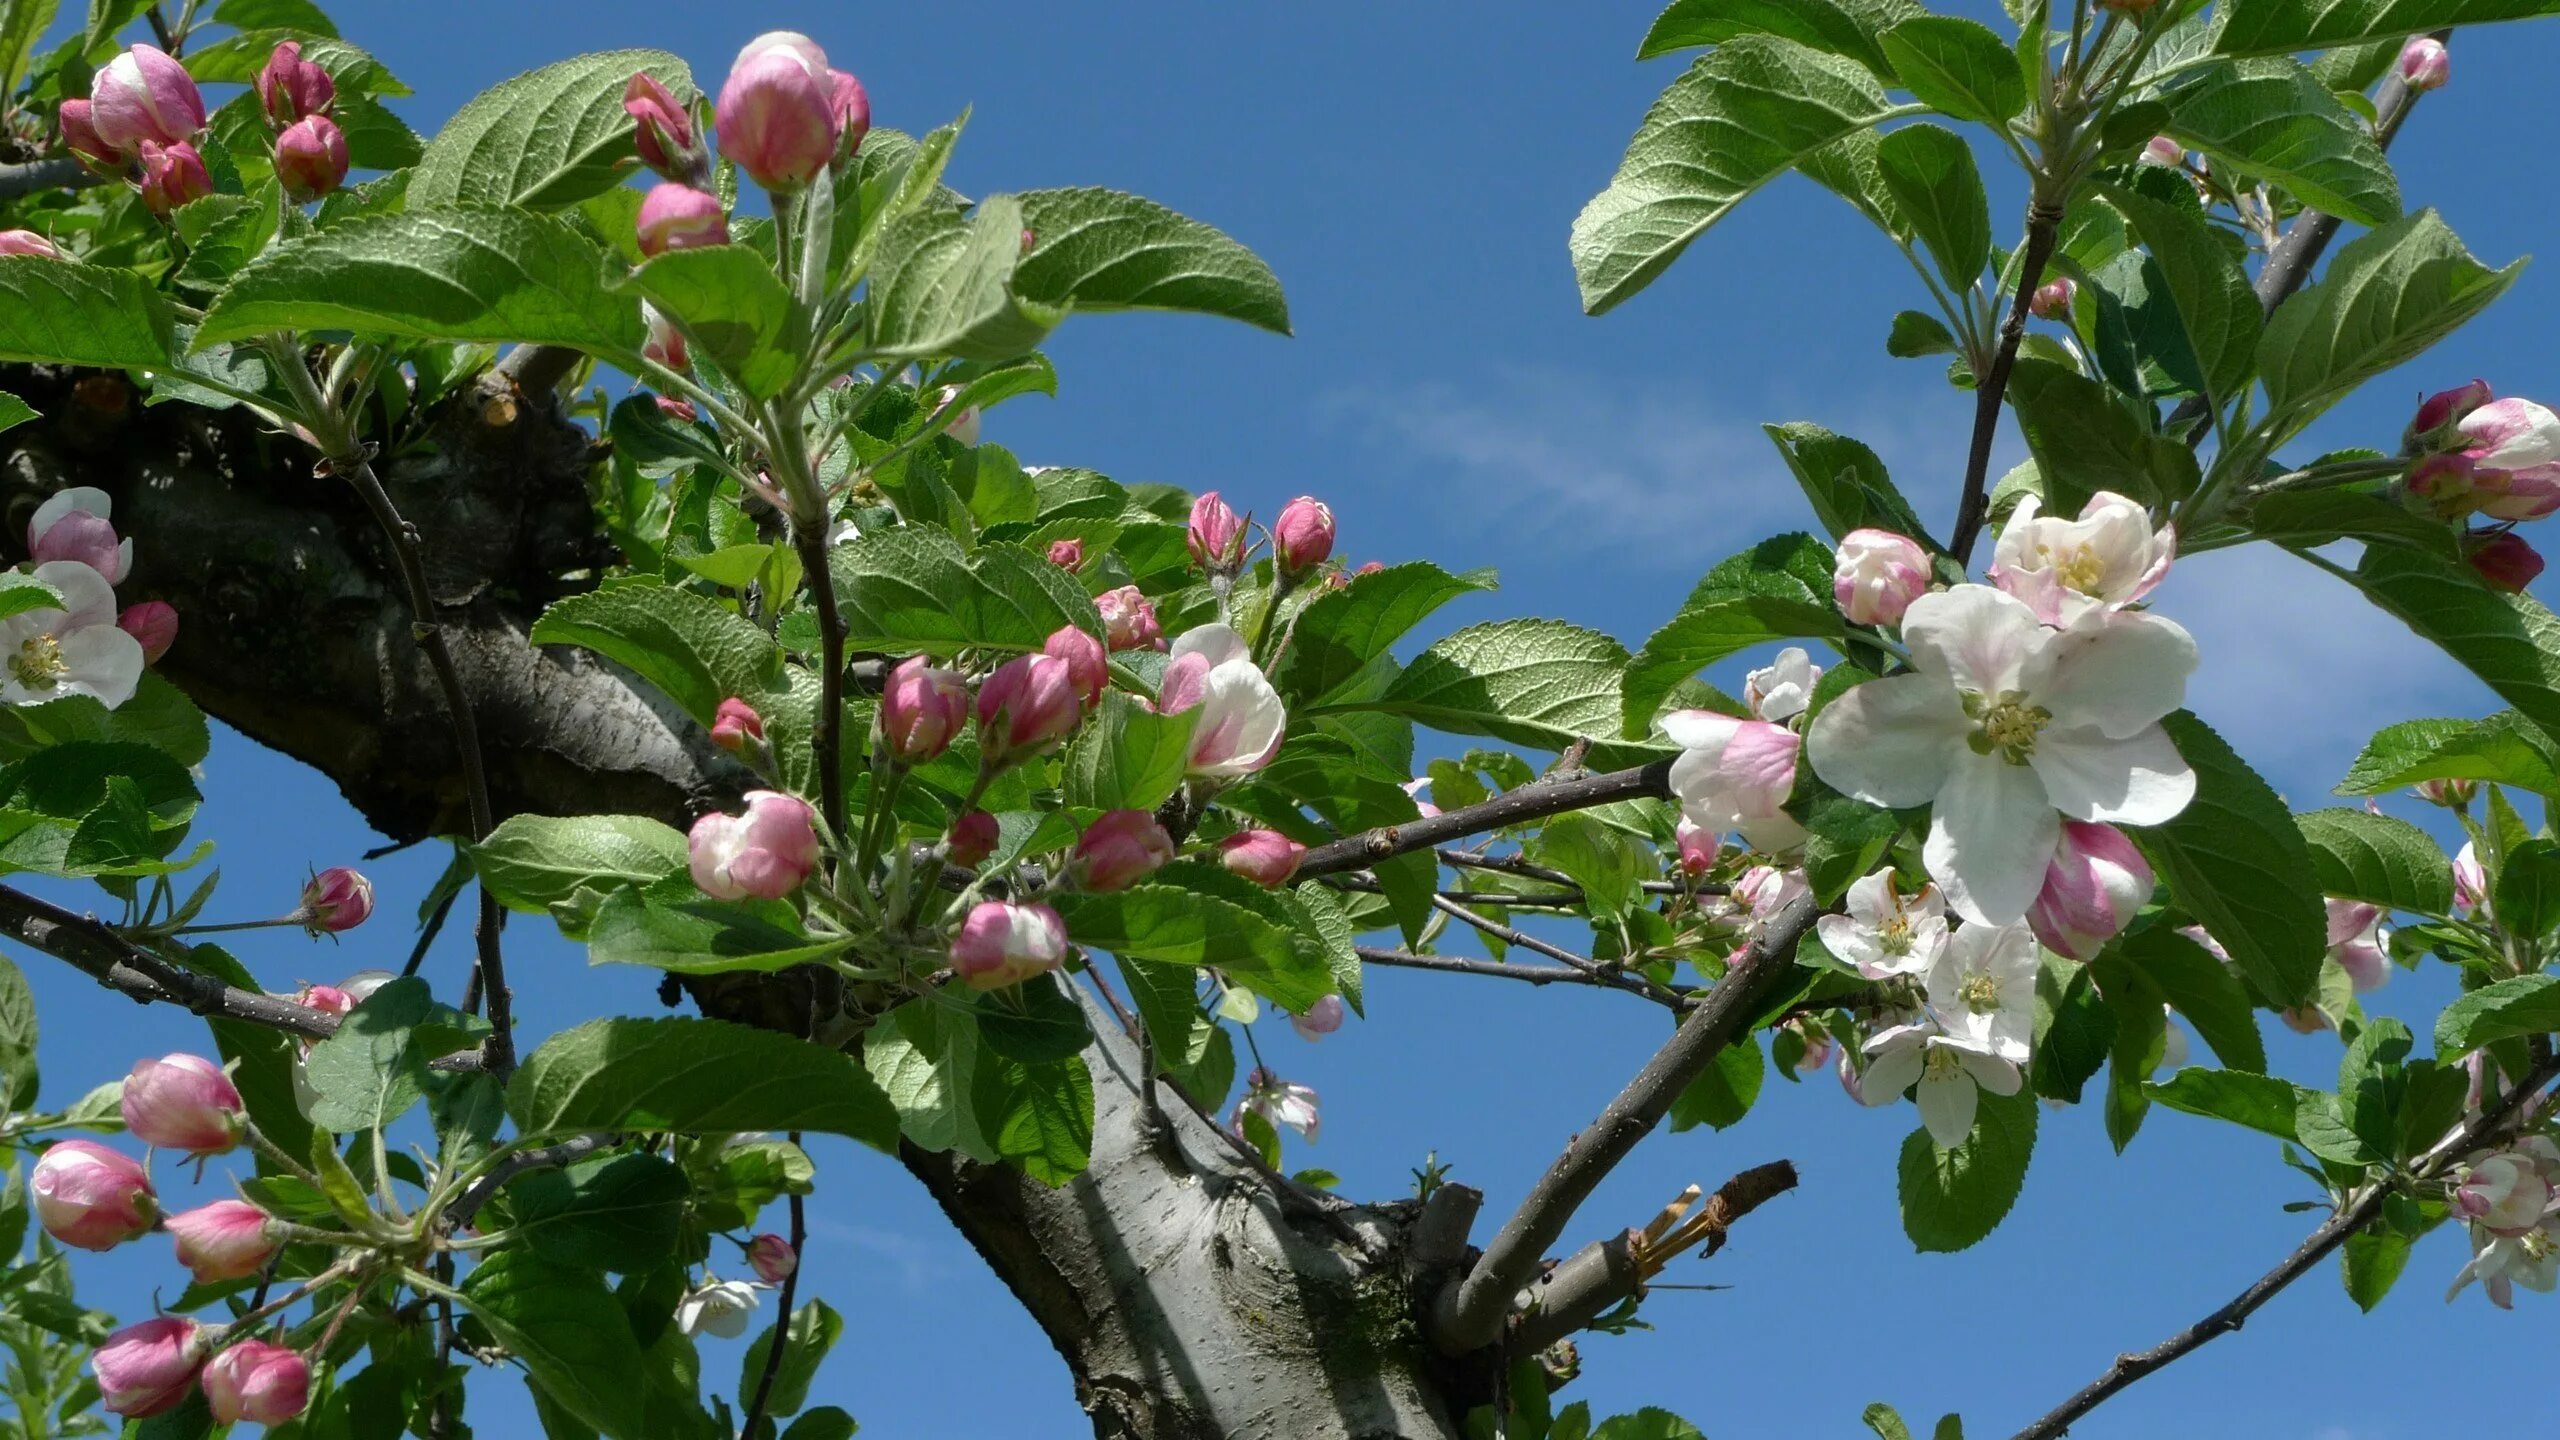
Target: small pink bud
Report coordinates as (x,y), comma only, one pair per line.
(765,853)
(1265,857)
(154,623)
(2052,300)
(679,217)
(311,158)
(336,899)
(1302,538)
(973,838)
(772,1258)
(28,242)
(1120,849)
(80,136)
(90,1197)
(677,408)
(2424,65)
(852,111)
(1217,535)
(73,524)
(1322,1018)
(2444,409)
(2447,483)
(922,709)
(1086,661)
(144,96)
(2451,794)
(2504,560)
(1128,620)
(2163,151)
(779,116)
(263,1383)
(1698,848)
(1877,574)
(291,88)
(665,135)
(147,1368)
(183,1102)
(224,1240)
(327,999)
(2094,885)
(1002,944)
(1067,554)
(172,176)
(1027,707)
(736,727)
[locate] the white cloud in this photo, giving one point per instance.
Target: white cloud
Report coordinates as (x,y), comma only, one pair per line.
(919,1264)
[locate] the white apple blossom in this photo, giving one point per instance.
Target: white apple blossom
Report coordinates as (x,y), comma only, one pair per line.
(1982,989)
(1279,1102)
(1242,718)
(2502,1262)
(1764,890)
(2006,728)
(2063,569)
(717,1307)
(1951,1077)
(1780,690)
(1735,775)
(1886,933)
(78,650)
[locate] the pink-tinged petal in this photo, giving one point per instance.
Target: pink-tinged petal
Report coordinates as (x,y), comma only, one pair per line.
(1889,742)
(1990,835)
(2139,780)
(2115,673)
(1947,1105)
(1974,635)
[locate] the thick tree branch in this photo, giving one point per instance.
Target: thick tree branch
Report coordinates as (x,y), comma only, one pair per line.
(2318,1246)
(59,173)
(1471,1312)
(1534,801)
(1586,1284)
(90,946)
(2044,223)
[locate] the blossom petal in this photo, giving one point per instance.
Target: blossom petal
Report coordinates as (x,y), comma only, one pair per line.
(2138,780)
(1990,837)
(1888,742)
(1992,1072)
(86,596)
(1980,638)
(1947,1103)
(104,661)
(1700,730)
(2113,672)
(1889,1074)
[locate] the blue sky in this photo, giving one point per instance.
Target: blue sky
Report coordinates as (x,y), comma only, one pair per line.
(1410,172)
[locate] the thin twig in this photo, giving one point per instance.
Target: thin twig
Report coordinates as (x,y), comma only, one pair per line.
(550,1157)
(1513,935)
(59,173)
(428,932)
(1530,870)
(782,1325)
(1534,801)
(823,734)
(2044,223)
(1498,969)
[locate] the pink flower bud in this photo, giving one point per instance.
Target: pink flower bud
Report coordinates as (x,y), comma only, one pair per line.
(1128,620)
(172,176)
(2358,942)
(2470,882)
(311,158)
(852,106)
(144,96)
(183,1102)
(1734,774)
(1698,848)
(154,623)
(922,710)
(336,899)
(1067,554)
(1265,857)
(1086,662)
(765,853)
(224,1240)
(1322,1018)
(973,838)
(679,217)
(736,727)
(2163,151)
(665,136)
(2504,560)
(1120,849)
(1004,944)
(2094,885)
(2514,452)
(778,116)
(2444,409)
(1026,708)
(147,1368)
(772,1258)
(1217,535)
(677,408)
(73,524)
(1302,538)
(90,1197)
(2424,65)
(1876,574)
(28,242)
(80,136)
(2451,794)
(291,88)
(2052,300)
(2447,483)
(259,1382)
(327,999)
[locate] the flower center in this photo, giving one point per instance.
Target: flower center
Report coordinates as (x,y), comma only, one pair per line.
(2006,725)
(2537,1245)
(1980,994)
(2080,569)
(1941,1063)
(39,663)
(1895,934)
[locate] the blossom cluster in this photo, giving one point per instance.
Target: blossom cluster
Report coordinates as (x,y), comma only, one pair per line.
(2475,456)
(143,116)
(87,646)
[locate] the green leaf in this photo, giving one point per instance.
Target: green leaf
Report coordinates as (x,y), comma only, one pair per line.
(2259,1102)
(569,1333)
(694,649)
(1953,1198)
(374,1068)
(924,1056)
(2279,27)
(73,314)
(17,1047)
(1100,250)
(2520,1005)
(824,1423)
(624,1213)
(1177,925)
(21,592)
(1604,862)
(1041,1116)
(2074,1029)
(815,1328)
(944,285)
(735,309)
(1842,27)
(1848,486)
(1541,683)
(2216,309)
(1778,589)
(1915,334)
(2270,118)
(2371,1263)
(1127,757)
(1650,1423)
(911,588)
(15,412)
(1739,118)
(470,273)
(2384,299)
(1342,630)
(1048,1025)
(2202,989)
(22,24)
(546,139)
(2504,749)
(2083,441)
(2510,641)
(1957,67)
(701,936)
(2236,862)
(237,59)
(1886,1422)
(698,1077)
(565,866)
(1930,173)
(1723,1092)
(2392,863)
